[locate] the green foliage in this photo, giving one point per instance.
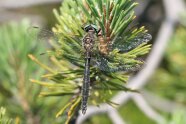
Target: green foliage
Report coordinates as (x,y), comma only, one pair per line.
(64,78)
(16,92)
(133,115)
(172,75)
(99,119)
(177,117)
(3,118)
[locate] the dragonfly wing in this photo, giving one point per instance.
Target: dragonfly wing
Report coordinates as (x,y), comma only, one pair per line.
(54,40)
(124,46)
(71,44)
(41,34)
(106,65)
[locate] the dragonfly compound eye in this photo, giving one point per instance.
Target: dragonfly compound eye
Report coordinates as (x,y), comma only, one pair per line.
(91,27)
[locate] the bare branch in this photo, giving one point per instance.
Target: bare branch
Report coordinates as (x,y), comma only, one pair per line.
(147,109)
(161,103)
(115,117)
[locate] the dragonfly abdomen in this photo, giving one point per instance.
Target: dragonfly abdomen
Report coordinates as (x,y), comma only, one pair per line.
(86,84)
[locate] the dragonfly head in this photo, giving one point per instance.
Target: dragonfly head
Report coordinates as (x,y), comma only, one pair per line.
(89,27)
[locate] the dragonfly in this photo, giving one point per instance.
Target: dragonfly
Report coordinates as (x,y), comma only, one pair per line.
(88,49)
(88,43)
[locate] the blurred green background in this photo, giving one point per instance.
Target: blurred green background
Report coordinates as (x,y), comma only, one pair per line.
(20,97)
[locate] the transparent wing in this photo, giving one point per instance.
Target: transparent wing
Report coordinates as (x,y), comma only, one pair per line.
(112,65)
(54,39)
(68,44)
(124,45)
(40,34)
(67,47)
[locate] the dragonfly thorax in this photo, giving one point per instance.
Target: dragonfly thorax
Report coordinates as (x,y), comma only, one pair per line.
(88,41)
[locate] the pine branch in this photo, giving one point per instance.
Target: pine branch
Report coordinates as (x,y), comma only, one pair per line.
(117,44)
